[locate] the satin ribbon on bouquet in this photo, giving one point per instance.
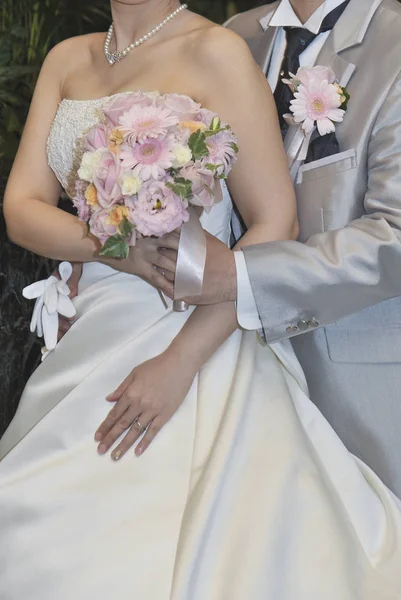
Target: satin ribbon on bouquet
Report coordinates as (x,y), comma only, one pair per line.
(191,262)
(191,259)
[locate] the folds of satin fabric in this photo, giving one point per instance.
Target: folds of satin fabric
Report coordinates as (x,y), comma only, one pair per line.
(246,492)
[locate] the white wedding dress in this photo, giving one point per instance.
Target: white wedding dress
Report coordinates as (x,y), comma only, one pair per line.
(246,494)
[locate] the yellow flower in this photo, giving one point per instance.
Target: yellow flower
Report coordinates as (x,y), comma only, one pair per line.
(91,195)
(117,136)
(117,214)
(182,155)
(193,126)
(340,92)
(116,139)
(131,184)
(89,163)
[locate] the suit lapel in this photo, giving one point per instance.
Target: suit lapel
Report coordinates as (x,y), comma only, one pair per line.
(343,68)
(262,45)
(263,48)
(348,32)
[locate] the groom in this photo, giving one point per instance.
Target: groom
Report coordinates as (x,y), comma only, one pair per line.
(336,292)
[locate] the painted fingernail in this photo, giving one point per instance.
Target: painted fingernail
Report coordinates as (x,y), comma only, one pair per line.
(102,449)
(117,455)
(139,450)
(98,436)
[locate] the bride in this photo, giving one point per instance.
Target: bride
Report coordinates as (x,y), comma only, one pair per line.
(225,481)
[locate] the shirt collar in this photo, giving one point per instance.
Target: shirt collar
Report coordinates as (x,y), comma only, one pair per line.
(284,16)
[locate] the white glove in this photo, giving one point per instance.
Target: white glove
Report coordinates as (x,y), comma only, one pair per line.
(52,299)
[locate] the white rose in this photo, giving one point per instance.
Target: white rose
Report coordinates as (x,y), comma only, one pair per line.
(131,184)
(183,155)
(89,164)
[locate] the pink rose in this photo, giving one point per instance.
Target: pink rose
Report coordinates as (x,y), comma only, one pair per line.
(158,210)
(182,106)
(106,178)
(96,138)
(101,227)
(122,103)
(205,116)
(203,184)
(318,73)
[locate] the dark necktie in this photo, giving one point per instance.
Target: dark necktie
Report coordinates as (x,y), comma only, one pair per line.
(298,39)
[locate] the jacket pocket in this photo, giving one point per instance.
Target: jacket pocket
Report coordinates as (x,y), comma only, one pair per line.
(372,335)
(330,165)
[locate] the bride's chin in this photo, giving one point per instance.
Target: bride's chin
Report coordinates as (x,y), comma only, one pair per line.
(168,3)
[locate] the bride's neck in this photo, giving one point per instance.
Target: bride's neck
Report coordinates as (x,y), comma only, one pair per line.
(305,8)
(133,20)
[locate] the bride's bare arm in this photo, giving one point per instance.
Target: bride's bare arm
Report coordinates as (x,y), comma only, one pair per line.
(233,86)
(30,202)
(260,182)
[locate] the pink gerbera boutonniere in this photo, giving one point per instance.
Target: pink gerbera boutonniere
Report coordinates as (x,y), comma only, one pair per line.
(319,101)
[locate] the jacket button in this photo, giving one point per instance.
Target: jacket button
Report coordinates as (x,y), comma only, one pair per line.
(292,329)
(303,325)
(313,323)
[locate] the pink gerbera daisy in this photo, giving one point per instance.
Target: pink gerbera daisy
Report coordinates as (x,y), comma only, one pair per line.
(222,151)
(149,159)
(146,122)
(317,104)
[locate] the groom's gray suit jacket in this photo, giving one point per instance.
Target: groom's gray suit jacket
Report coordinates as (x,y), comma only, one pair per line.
(337,293)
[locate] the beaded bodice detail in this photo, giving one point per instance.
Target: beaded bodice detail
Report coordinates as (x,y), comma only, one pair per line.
(72,120)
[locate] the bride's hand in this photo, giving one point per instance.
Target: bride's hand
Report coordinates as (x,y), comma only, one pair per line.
(153,260)
(145,401)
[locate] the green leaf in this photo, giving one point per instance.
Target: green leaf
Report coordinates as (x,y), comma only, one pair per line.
(181,187)
(126,228)
(216,124)
(197,144)
(344,105)
(211,132)
(212,167)
(115,247)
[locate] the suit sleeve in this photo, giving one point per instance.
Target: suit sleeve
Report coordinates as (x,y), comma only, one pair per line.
(299,286)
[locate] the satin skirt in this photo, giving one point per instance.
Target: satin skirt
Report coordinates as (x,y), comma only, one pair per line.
(246,494)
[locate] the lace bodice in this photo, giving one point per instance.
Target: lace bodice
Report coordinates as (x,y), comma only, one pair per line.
(72,119)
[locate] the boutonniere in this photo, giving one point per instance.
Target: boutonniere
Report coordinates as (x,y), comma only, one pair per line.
(319,101)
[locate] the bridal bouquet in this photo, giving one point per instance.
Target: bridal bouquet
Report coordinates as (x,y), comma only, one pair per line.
(145,162)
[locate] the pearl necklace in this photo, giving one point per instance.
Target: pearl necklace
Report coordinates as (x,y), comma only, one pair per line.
(113,57)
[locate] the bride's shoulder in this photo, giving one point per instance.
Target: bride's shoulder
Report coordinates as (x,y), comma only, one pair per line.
(217,47)
(69,57)
(225,68)
(74,50)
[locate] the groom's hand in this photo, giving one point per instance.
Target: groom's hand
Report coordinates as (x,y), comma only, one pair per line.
(220,278)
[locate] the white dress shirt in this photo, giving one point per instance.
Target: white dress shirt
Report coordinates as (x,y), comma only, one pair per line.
(283,16)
